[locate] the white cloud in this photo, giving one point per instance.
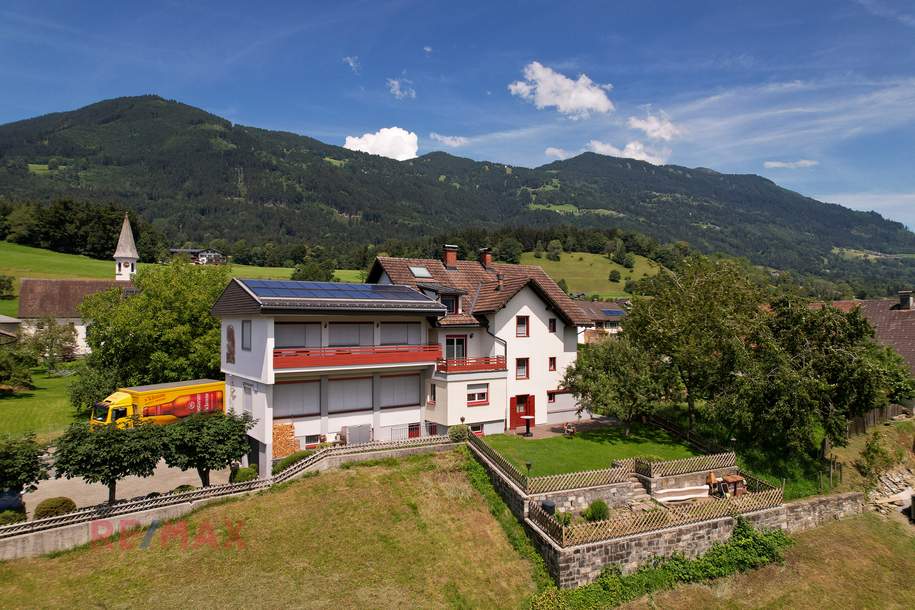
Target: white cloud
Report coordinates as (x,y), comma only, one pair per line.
(427,50)
(799,164)
(573,98)
(452,141)
(353,62)
(632,150)
(401,89)
(656,127)
(879,9)
(392,142)
(559,153)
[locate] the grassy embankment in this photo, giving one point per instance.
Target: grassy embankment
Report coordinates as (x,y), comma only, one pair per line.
(45,410)
(589,273)
(398,533)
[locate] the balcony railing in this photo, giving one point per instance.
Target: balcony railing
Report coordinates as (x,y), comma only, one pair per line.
(305,357)
(471,365)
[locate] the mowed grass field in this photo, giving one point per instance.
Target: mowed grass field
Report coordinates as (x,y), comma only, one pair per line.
(46,410)
(864,562)
(24,261)
(409,533)
(589,273)
(588,450)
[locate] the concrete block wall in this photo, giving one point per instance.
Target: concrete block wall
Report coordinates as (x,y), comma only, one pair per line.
(617,494)
(692,479)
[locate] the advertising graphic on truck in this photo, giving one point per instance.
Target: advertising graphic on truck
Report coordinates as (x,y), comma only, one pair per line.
(161,403)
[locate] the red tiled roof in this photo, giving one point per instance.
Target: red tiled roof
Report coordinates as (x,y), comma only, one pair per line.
(59,298)
(481,285)
(893,326)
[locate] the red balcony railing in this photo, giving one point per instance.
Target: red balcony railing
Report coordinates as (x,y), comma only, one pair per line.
(471,365)
(304,357)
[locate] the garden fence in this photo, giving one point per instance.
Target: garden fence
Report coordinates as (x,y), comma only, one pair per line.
(699,463)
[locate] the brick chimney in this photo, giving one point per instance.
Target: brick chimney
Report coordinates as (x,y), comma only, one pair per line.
(486,257)
(905,299)
(450,256)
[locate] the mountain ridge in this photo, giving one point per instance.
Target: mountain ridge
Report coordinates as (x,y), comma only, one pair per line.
(197,176)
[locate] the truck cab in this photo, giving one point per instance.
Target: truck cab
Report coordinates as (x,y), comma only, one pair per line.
(118,408)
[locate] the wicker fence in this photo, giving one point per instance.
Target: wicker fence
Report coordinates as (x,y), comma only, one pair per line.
(133,506)
(715,461)
(628,523)
(504,466)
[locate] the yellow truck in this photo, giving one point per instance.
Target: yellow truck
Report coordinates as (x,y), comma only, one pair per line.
(160,403)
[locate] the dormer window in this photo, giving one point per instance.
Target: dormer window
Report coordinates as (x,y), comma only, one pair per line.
(420,272)
(450,302)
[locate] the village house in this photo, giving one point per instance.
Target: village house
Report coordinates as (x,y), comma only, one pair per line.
(60,299)
(605,317)
(200,256)
(425,345)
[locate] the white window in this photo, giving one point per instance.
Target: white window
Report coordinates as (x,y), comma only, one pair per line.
(477,394)
(247,403)
(349,394)
(455,347)
(246,335)
(521,368)
(399,391)
(297,399)
(312,439)
(298,335)
(420,272)
(400,333)
(348,334)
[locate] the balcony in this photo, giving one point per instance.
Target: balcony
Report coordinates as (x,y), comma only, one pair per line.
(471,365)
(311,357)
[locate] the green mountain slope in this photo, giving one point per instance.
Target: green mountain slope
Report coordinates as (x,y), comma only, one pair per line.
(198,177)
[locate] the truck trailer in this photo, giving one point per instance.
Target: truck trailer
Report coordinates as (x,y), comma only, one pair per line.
(160,403)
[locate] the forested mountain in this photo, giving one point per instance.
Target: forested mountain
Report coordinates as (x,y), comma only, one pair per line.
(197,177)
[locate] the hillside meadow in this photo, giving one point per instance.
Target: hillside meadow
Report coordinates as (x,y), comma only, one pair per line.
(589,273)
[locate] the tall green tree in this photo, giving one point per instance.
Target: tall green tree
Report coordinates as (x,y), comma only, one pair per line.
(696,321)
(207,442)
(21,466)
(52,343)
(107,454)
(554,250)
(616,377)
(162,332)
(509,250)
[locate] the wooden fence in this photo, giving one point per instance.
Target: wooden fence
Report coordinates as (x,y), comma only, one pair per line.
(874,417)
(715,461)
(629,523)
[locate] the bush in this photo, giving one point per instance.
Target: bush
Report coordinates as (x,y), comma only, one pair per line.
(459,433)
(747,549)
(291,459)
(596,511)
(243,475)
(53,507)
(11,516)
(183,488)
(564,519)
(614,276)
(877,458)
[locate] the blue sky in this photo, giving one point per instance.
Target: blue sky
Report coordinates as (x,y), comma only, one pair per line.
(818,96)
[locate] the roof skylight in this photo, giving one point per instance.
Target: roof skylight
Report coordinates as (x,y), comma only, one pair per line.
(420,272)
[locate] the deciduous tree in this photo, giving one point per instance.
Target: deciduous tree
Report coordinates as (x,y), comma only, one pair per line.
(207,442)
(20,464)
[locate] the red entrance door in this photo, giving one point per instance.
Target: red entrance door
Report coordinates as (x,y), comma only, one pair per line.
(523,404)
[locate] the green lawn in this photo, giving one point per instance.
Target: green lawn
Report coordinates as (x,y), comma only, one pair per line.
(24,261)
(588,273)
(408,533)
(45,410)
(587,450)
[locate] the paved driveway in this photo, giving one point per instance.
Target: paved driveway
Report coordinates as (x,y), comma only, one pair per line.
(85,494)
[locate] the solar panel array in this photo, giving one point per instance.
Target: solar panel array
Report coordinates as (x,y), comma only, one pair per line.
(613,312)
(288,289)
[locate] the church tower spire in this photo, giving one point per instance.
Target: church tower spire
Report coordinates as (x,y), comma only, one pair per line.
(125,255)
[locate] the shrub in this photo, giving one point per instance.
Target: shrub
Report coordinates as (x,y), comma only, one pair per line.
(183,488)
(877,458)
(243,475)
(291,459)
(596,511)
(563,518)
(459,433)
(11,516)
(614,276)
(52,507)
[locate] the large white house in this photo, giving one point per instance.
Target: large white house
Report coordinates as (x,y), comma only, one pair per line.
(425,345)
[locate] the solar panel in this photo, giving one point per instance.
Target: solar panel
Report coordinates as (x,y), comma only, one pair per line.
(613,312)
(289,289)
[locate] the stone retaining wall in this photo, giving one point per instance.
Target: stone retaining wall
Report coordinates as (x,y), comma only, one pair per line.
(692,479)
(617,494)
(582,564)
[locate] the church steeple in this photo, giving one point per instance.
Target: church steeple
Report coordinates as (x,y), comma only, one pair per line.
(125,255)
